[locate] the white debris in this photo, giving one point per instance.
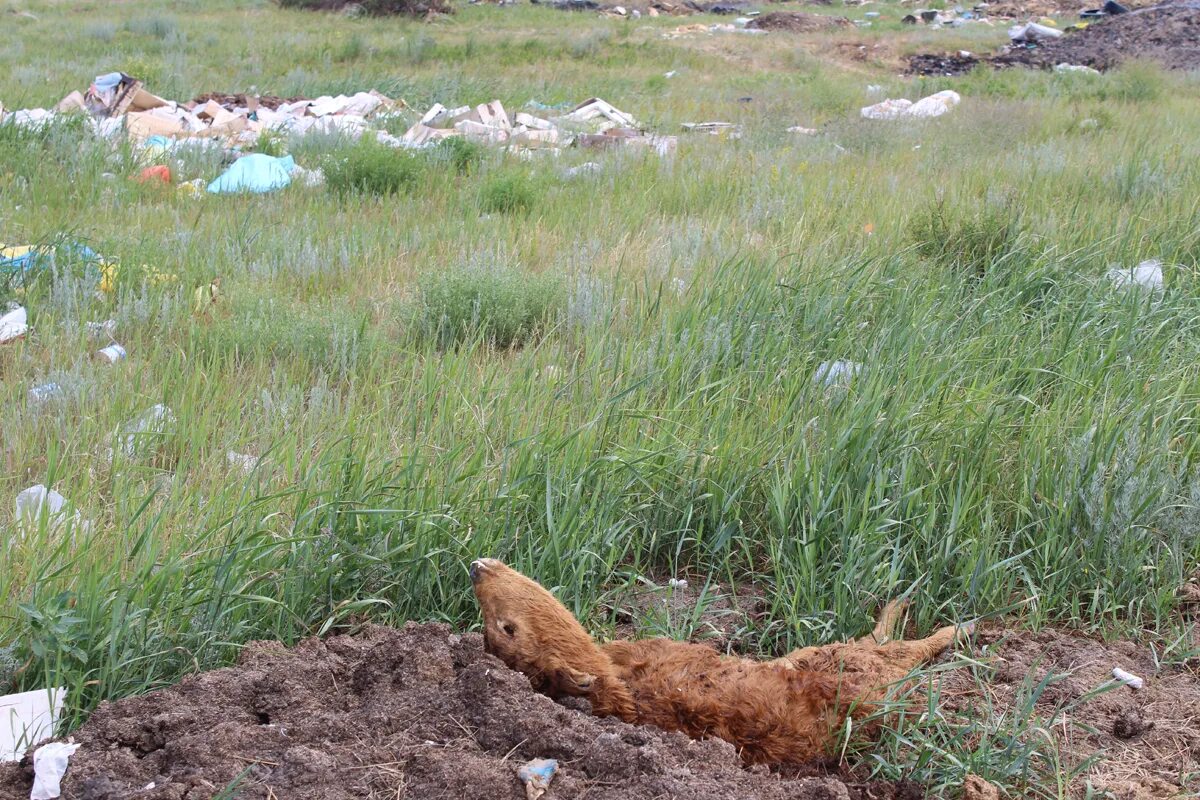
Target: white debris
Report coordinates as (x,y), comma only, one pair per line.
(111,354)
(101,330)
(150,425)
(728,130)
(1033,32)
(800,129)
(1076,68)
(44,392)
(836,374)
(241,460)
(27,718)
(1128,678)
(586,168)
(677,583)
(934,105)
(38,504)
(13,325)
(308,177)
(1146,275)
(49,766)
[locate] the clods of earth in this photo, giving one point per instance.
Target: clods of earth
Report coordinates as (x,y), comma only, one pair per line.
(423,712)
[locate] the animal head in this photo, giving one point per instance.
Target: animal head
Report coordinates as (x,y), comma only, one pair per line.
(528,629)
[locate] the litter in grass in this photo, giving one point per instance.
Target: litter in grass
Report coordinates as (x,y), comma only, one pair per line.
(101,330)
(38,504)
(256,173)
(26,718)
(837,374)
(935,105)
(111,354)
(137,435)
(1146,275)
(727,130)
(44,392)
(14,324)
(592,123)
(1033,32)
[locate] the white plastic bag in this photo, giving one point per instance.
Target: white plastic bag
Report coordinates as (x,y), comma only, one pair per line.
(49,766)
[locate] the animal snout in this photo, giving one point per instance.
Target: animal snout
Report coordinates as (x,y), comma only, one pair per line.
(479,568)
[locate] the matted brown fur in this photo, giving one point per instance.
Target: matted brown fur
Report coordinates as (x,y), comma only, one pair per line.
(782,711)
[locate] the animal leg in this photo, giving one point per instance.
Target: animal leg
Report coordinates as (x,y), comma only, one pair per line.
(885,626)
(906,656)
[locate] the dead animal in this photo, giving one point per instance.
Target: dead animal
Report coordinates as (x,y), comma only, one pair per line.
(788,710)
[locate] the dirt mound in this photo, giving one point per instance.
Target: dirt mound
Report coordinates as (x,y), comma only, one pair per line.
(1168,34)
(797,22)
(419,713)
(1150,738)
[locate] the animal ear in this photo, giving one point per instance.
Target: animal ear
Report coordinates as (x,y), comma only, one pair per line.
(574,681)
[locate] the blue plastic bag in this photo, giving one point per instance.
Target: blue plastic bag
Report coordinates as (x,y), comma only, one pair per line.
(255,173)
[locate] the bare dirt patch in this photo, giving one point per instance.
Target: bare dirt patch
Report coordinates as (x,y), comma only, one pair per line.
(1150,738)
(414,713)
(797,22)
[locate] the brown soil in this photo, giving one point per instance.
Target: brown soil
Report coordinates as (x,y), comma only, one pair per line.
(424,713)
(413,713)
(1150,738)
(1168,34)
(797,22)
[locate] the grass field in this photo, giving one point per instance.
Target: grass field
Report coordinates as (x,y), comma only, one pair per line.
(1021,440)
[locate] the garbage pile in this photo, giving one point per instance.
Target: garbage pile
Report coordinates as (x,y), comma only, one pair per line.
(593,124)
(116,103)
(955,17)
(1168,34)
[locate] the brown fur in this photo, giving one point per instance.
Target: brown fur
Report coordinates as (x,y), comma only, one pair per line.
(786,710)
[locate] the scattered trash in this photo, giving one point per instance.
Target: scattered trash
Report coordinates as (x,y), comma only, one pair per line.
(160,173)
(677,583)
(45,392)
(26,719)
(193,188)
(726,130)
(935,105)
(1075,68)
(117,103)
(17,259)
(670,74)
(241,460)
(1128,678)
(37,504)
(13,325)
(803,131)
(49,766)
(1109,9)
(101,330)
(490,124)
(536,775)
(836,374)
(133,437)
(1146,275)
(586,168)
(1033,32)
(111,354)
(256,173)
